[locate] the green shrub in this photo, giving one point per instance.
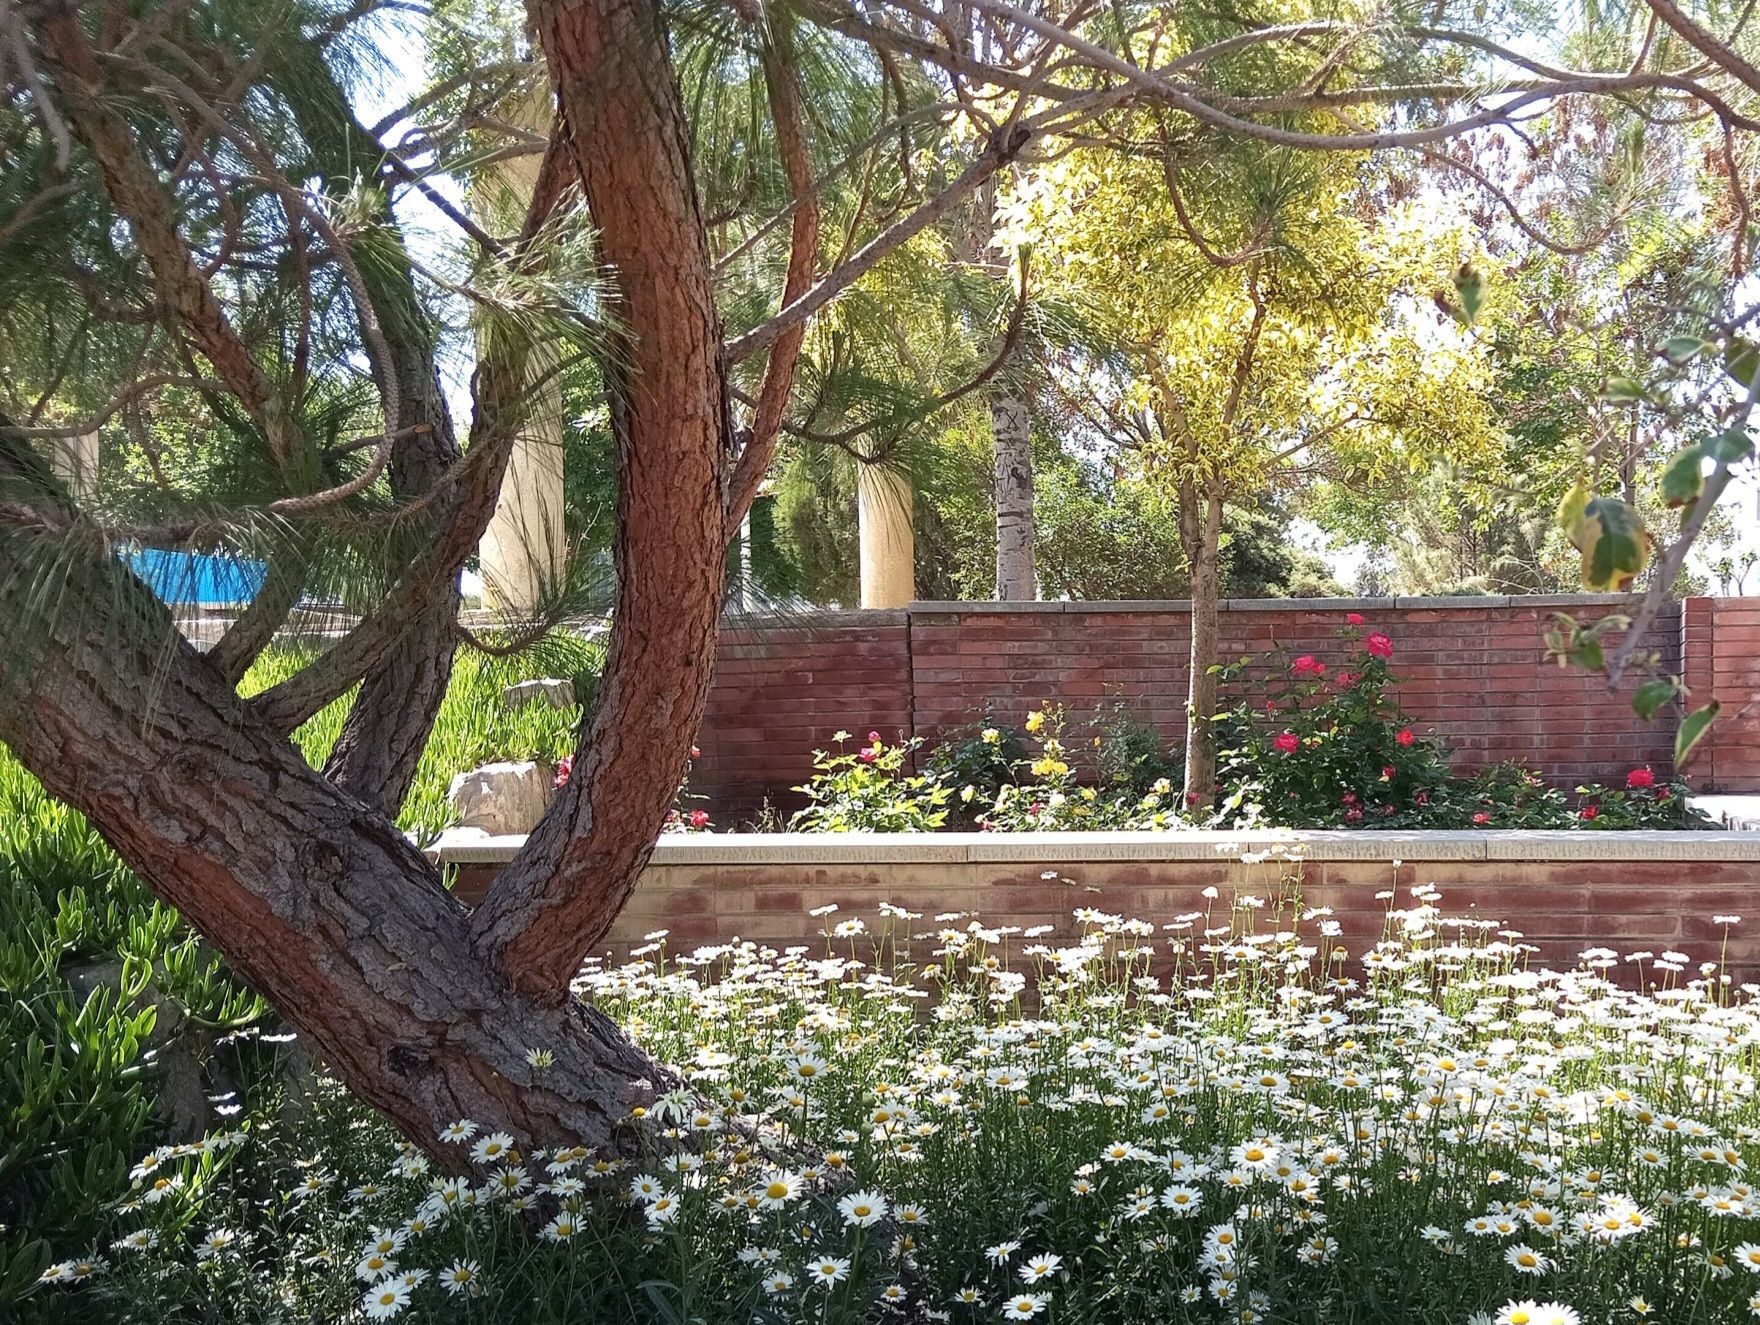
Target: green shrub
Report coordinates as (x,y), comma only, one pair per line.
(869,790)
(1325,746)
(78,1078)
(982,755)
(1130,755)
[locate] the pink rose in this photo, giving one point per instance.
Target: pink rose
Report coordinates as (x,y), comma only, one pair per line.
(1287,742)
(699,818)
(1379,645)
(1354,618)
(1404,736)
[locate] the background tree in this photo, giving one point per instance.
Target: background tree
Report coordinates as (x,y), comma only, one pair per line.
(1269,336)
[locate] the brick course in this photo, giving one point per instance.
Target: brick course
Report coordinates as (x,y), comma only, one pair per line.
(1654,892)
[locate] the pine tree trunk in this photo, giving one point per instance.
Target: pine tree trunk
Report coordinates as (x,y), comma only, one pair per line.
(1011,426)
(1201,532)
(424,1009)
(316,900)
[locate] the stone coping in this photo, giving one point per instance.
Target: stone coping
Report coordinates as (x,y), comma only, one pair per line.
(474,847)
(829,618)
(1477,602)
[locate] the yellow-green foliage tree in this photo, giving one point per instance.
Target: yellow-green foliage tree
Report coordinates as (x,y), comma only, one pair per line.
(1271,321)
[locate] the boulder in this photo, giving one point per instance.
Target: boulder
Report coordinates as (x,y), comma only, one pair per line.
(502,798)
(546,690)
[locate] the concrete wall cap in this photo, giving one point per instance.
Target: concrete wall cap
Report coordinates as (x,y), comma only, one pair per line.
(471,847)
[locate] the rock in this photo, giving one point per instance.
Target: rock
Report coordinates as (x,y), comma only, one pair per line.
(545,690)
(502,798)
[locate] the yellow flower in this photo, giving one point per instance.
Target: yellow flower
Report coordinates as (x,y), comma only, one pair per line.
(1035,721)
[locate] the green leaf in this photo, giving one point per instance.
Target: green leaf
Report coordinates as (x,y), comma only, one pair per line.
(1741,359)
(1469,283)
(1731,446)
(1570,512)
(1679,350)
(1683,478)
(1648,699)
(1692,730)
(1615,545)
(1622,391)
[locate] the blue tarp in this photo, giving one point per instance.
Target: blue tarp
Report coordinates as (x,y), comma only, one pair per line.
(193,579)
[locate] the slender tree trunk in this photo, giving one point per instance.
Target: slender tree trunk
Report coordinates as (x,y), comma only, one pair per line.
(627,136)
(1011,426)
(1011,429)
(1200,521)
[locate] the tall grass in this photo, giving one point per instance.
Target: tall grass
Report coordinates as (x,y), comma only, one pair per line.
(474,727)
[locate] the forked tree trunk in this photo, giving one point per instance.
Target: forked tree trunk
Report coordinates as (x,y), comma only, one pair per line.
(425,1010)
(1012,428)
(1200,520)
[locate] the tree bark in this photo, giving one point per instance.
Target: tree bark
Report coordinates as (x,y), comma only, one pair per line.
(315,898)
(1200,524)
(1012,429)
(612,70)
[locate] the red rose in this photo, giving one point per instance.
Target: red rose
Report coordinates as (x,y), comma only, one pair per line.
(1353,815)
(1404,736)
(1591,812)
(1379,645)
(1354,618)
(1345,678)
(1481,818)
(1387,772)
(564,766)
(1640,778)
(1271,706)
(699,818)
(1191,798)
(1386,810)
(1349,798)
(1308,665)
(1287,742)
(1422,798)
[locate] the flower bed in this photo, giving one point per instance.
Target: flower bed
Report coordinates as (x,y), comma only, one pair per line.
(1310,743)
(1211,1117)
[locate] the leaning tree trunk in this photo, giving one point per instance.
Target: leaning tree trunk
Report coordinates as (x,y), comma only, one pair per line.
(1200,521)
(316,900)
(1011,426)
(424,1009)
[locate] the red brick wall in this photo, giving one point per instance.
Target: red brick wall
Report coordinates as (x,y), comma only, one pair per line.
(1639,901)
(1721,647)
(1472,670)
(783,688)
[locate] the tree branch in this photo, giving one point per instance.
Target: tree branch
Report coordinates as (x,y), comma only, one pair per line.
(782,87)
